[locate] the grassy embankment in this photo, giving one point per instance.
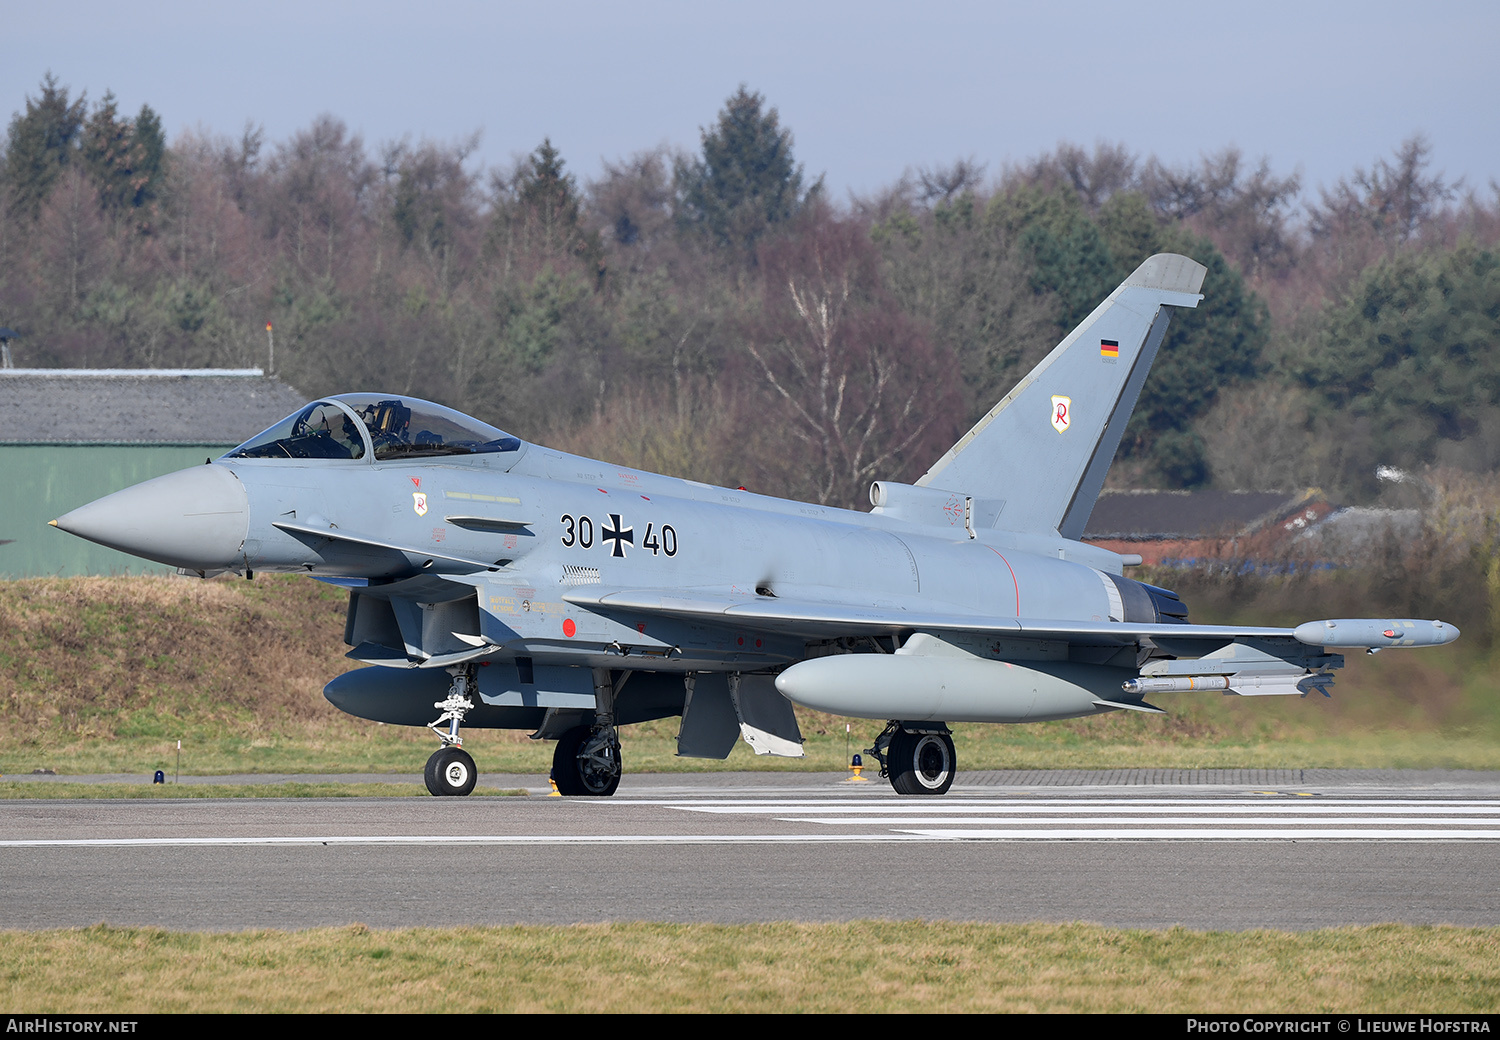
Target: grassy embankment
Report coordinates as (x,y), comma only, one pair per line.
(862,966)
(104,675)
(293,789)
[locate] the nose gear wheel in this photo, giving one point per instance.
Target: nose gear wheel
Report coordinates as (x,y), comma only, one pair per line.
(450,771)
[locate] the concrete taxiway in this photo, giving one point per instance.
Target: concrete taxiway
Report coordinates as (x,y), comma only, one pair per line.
(1235,850)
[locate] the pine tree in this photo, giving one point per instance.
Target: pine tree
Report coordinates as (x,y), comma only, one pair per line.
(41,144)
(106,153)
(746,181)
(550,194)
(149,162)
(125,160)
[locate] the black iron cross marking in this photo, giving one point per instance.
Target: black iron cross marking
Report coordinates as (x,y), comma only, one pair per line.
(613,533)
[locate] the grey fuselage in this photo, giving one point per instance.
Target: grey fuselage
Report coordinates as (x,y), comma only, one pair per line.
(577,522)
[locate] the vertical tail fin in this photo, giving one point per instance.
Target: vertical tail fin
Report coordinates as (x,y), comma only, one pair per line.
(1036,462)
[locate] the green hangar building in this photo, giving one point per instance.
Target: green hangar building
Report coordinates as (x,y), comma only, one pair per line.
(69,436)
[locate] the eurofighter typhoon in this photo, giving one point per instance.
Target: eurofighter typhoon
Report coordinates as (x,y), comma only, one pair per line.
(496,583)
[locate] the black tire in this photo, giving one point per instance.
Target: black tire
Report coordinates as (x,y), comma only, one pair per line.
(450,771)
(922,763)
(577,777)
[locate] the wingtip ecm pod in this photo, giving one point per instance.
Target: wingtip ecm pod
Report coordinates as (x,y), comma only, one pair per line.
(1375,634)
(1037,461)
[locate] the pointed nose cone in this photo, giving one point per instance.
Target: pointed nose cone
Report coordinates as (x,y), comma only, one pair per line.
(195,518)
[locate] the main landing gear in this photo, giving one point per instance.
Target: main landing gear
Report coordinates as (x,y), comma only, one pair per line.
(586,760)
(450,770)
(918,757)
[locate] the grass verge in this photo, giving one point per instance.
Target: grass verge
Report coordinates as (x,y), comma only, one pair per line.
(861,966)
(11,789)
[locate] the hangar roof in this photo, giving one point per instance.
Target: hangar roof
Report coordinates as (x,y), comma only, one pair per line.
(1187,514)
(207,406)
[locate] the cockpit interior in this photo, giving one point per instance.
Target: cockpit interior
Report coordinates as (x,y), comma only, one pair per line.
(378,426)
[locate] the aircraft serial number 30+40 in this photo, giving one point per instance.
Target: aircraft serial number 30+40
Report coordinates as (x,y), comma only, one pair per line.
(580,532)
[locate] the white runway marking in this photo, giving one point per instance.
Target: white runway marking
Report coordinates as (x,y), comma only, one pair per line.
(825,821)
(464,839)
(939,807)
(1119,821)
(1136,819)
(1222,834)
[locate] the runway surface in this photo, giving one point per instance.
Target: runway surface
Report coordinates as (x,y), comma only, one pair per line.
(755,848)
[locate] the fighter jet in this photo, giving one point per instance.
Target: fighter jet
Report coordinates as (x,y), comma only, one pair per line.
(497,583)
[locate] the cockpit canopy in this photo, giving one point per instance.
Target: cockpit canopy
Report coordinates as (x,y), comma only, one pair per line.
(356,426)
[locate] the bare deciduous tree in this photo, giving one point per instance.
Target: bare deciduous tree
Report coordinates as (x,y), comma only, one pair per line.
(1394,199)
(852,378)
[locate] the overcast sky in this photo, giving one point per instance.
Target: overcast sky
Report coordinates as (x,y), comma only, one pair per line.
(868,88)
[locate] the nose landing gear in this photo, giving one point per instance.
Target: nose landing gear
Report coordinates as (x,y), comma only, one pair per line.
(451,770)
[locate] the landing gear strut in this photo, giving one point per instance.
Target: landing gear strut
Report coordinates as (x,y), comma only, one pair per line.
(450,770)
(917,757)
(586,760)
